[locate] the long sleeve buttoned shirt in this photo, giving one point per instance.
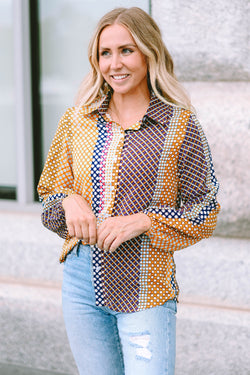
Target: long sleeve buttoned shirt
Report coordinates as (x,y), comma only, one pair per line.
(161,166)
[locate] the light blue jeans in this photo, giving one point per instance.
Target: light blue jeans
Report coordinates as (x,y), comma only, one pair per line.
(106,342)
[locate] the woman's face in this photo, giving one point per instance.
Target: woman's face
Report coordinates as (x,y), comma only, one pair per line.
(122,64)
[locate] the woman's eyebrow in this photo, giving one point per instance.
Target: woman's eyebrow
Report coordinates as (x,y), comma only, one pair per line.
(120,47)
(128,45)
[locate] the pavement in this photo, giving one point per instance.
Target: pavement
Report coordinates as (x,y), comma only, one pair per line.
(7,369)
(213,320)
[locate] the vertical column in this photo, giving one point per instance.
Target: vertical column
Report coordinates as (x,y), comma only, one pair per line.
(23,101)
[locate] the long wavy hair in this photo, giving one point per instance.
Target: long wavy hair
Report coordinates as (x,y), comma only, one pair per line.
(147,36)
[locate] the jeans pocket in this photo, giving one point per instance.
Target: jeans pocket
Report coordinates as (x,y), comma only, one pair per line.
(171,305)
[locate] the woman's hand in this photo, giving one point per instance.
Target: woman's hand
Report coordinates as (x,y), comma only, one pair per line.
(80,219)
(118,229)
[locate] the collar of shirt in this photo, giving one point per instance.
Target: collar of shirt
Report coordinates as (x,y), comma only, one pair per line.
(157,112)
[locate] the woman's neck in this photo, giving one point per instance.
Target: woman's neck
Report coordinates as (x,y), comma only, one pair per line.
(128,109)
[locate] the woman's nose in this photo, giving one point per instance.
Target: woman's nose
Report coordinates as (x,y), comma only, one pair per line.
(116,62)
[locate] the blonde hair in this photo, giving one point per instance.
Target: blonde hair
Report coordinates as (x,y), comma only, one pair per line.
(147,35)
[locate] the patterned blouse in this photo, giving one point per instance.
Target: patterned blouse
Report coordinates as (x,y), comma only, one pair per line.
(160,166)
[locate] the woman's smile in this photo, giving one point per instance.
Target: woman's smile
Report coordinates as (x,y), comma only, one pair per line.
(120,77)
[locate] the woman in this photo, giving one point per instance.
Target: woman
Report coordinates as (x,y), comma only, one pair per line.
(128,181)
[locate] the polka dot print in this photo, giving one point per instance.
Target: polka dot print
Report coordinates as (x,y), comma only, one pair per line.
(161,166)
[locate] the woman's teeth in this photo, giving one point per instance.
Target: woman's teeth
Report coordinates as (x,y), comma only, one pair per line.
(120,77)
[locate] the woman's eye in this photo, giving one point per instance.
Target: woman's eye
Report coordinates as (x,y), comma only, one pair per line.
(105,53)
(127,51)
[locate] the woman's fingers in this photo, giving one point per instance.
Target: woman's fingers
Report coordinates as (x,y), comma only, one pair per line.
(84,232)
(106,239)
(71,229)
(92,231)
(116,230)
(88,231)
(111,246)
(80,220)
(101,236)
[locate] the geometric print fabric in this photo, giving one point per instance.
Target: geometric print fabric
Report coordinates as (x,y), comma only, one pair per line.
(160,166)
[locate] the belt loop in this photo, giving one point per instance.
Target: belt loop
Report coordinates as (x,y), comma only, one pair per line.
(78,248)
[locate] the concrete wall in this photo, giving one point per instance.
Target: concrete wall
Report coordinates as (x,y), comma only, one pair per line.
(209,42)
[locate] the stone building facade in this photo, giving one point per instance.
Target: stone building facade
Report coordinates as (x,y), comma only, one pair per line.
(209,42)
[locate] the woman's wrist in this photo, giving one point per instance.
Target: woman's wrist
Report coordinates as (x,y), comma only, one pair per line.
(69,198)
(145,221)
(64,202)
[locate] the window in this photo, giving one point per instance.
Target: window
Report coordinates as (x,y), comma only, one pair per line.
(65,28)
(45,58)
(8,177)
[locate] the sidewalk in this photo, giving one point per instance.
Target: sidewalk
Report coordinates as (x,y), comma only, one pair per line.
(7,369)
(213,320)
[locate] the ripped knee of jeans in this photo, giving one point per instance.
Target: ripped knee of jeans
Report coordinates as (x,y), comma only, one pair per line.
(141,342)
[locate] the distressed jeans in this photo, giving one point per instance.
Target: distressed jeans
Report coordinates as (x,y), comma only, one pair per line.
(106,342)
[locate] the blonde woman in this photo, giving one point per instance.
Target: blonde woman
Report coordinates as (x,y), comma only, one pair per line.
(128,180)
